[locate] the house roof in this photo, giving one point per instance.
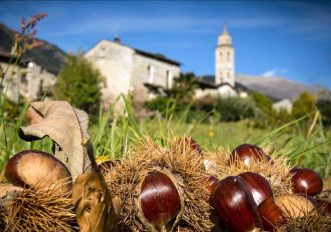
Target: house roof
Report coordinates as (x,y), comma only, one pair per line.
(208,82)
(7,57)
(156,56)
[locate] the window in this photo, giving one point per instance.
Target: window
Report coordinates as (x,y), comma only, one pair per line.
(24,78)
(150,74)
(102,53)
(229,57)
(228,75)
(168,79)
(221,56)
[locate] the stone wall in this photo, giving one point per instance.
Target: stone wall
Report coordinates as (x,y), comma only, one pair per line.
(224,65)
(28,81)
(153,71)
(126,71)
(12,81)
(36,81)
(115,63)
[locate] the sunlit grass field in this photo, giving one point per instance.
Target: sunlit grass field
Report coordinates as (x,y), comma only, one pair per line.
(304,143)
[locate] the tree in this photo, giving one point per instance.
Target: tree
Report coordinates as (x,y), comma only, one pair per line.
(175,99)
(263,103)
(184,87)
(305,104)
(323,106)
(79,84)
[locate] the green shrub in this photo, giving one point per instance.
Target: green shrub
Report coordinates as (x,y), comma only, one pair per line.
(324,106)
(235,108)
(79,84)
(305,104)
(262,102)
(12,110)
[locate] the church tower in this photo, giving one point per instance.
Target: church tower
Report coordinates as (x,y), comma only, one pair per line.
(224,59)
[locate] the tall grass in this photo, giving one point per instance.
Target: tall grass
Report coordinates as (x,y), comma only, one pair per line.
(115,134)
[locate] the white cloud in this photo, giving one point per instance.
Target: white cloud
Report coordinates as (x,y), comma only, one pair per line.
(269,73)
(274,72)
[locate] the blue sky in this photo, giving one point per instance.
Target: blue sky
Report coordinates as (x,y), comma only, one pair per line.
(290,39)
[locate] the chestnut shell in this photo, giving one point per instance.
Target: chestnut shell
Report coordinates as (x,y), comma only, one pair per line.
(159,199)
(306,181)
(32,167)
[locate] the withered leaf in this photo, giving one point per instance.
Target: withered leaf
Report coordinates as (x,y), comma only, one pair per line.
(93,205)
(66,126)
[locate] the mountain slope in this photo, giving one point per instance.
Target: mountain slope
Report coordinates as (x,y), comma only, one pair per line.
(275,87)
(49,56)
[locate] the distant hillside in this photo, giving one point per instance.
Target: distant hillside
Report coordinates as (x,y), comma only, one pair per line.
(275,87)
(48,56)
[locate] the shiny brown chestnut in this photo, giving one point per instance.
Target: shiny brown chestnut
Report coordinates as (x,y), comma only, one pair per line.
(106,166)
(33,168)
(193,144)
(159,200)
(246,153)
(234,205)
(271,214)
(306,181)
(324,207)
(212,181)
(257,185)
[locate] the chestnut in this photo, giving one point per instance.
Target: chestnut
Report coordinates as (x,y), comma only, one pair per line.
(306,181)
(105,166)
(193,144)
(271,214)
(33,168)
(324,206)
(257,185)
(234,205)
(294,206)
(212,181)
(247,153)
(159,200)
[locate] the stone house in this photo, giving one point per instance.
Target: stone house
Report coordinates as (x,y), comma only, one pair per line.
(127,69)
(27,78)
(284,104)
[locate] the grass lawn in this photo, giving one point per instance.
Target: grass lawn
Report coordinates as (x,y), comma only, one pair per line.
(304,145)
(303,148)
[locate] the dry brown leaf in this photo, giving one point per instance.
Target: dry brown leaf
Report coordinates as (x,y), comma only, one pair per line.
(93,205)
(66,126)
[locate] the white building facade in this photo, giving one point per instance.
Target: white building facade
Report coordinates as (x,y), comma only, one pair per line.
(126,70)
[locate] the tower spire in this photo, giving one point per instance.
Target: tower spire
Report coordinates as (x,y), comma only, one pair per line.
(225,28)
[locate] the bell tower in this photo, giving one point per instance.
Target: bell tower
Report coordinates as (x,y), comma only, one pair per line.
(224,59)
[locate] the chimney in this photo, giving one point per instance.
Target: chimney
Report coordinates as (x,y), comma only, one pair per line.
(117,39)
